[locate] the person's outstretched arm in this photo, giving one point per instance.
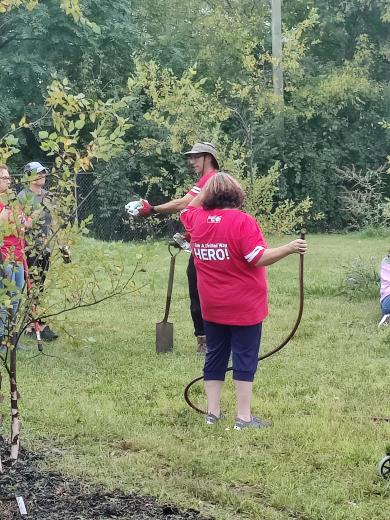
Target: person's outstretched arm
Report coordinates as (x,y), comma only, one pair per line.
(274,254)
(174,206)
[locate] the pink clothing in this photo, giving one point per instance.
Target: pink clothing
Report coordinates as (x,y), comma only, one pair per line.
(197,188)
(226,244)
(12,247)
(385,278)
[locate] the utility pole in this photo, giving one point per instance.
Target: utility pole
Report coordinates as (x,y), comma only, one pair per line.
(277,47)
(277,70)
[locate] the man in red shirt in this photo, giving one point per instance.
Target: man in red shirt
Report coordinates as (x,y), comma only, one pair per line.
(203,159)
(230,258)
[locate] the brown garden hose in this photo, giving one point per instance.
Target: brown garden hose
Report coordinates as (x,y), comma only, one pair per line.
(271,352)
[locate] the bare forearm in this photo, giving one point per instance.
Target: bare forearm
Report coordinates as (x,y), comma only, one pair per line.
(272,255)
(173,206)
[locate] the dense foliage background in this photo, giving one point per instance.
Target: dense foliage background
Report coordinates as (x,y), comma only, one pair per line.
(207,64)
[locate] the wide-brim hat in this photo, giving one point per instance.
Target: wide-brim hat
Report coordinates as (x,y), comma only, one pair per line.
(203,147)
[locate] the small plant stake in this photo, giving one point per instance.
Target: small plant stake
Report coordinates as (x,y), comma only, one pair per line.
(21,505)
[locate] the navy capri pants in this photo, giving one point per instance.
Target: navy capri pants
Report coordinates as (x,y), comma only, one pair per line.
(242,341)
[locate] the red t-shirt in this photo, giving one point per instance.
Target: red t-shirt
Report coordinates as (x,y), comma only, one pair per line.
(12,247)
(226,244)
(197,188)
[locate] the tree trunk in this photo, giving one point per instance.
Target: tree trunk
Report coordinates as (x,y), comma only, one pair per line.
(1,465)
(15,421)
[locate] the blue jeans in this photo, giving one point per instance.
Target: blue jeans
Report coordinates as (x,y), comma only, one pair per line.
(385,305)
(14,272)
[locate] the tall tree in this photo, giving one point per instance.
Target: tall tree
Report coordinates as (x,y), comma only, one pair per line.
(36,45)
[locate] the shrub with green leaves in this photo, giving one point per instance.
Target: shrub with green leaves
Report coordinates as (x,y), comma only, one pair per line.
(261,202)
(362,198)
(361,279)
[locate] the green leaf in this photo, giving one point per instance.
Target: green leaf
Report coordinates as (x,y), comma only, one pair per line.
(11,140)
(95,28)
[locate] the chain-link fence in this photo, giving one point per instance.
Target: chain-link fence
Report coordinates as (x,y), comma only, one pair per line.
(109,220)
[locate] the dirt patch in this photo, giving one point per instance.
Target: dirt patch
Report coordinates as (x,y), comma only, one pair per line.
(50,496)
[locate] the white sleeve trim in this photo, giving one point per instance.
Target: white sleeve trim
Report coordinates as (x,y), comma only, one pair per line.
(196,189)
(250,256)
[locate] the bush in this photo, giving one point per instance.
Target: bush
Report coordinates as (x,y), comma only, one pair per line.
(362,197)
(361,278)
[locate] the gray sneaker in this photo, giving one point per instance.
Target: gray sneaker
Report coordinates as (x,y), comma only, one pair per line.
(212,419)
(384,321)
(255,422)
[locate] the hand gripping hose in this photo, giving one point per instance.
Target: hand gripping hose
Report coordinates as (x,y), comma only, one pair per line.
(271,352)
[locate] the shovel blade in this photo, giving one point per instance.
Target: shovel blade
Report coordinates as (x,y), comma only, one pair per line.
(164,337)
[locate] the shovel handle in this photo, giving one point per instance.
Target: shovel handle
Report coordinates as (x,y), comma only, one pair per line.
(170,286)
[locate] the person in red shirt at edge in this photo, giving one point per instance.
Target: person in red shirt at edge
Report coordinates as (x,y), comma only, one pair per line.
(230,258)
(12,223)
(203,159)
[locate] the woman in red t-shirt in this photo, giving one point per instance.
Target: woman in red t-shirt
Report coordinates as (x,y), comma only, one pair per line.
(230,257)
(12,222)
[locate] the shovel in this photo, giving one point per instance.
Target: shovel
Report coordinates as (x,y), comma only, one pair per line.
(164,329)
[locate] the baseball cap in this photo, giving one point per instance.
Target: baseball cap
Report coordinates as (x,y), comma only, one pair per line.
(35,167)
(204,147)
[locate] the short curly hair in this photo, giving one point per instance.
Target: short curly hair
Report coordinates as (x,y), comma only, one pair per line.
(222,191)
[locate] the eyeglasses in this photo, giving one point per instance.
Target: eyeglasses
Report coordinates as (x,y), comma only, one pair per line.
(5,179)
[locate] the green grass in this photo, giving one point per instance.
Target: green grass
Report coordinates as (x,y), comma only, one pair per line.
(112,410)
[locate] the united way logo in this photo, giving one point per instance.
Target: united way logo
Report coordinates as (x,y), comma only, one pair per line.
(214,219)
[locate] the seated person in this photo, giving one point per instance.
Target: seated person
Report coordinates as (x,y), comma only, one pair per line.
(385,290)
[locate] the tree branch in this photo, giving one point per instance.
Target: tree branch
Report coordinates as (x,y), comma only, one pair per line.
(95,302)
(3,44)
(30,125)
(6,42)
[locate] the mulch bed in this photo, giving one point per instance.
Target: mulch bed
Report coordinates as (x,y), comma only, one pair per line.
(50,496)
